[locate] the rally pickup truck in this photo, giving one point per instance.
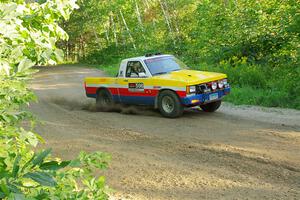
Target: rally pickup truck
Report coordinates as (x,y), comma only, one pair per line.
(161,81)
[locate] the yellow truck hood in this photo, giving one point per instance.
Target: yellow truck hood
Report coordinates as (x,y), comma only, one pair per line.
(192,77)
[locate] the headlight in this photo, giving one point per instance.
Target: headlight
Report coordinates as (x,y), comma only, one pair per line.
(220,84)
(192,89)
(214,85)
(226,84)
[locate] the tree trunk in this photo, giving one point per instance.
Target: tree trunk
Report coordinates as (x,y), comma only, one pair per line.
(121,31)
(128,30)
(167,20)
(174,16)
(138,14)
(114,29)
(97,38)
(107,37)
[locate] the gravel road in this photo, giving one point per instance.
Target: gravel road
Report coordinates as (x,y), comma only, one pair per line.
(238,152)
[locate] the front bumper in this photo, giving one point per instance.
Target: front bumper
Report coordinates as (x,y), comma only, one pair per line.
(198,99)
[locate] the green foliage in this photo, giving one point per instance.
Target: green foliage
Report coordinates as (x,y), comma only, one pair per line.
(111,69)
(263,97)
(29,32)
(256,44)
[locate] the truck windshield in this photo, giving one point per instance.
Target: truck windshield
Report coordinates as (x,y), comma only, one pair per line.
(164,65)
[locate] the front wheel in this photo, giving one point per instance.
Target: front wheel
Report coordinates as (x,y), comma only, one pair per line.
(169,104)
(211,107)
(104,100)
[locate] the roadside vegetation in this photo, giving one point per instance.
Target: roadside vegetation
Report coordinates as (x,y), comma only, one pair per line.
(28,35)
(257,43)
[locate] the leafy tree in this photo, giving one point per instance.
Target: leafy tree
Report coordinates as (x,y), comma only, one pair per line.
(255,43)
(29,32)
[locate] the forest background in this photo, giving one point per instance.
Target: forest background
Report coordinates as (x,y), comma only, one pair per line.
(257,43)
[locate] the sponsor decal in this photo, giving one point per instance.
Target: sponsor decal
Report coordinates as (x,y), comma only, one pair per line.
(136,87)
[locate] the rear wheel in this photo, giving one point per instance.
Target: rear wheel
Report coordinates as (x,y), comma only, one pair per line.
(211,107)
(169,104)
(104,100)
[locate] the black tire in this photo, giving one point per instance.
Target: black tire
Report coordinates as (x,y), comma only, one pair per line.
(169,104)
(104,100)
(211,107)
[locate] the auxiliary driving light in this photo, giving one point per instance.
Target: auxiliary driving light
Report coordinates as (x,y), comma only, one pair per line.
(221,84)
(214,85)
(225,81)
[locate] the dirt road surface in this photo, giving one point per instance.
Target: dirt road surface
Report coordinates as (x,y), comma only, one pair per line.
(239,152)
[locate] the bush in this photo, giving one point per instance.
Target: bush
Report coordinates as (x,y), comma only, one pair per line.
(28,35)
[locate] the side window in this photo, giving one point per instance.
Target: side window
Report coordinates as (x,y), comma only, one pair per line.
(120,74)
(134,68)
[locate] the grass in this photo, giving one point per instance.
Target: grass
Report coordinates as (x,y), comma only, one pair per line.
(250,96)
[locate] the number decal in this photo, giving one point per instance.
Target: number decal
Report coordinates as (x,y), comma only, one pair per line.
(140,86)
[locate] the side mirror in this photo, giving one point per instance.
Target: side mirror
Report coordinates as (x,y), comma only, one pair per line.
(142,75)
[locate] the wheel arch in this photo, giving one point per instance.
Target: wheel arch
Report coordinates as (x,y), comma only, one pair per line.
(160,91)
(102,88)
